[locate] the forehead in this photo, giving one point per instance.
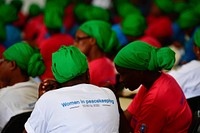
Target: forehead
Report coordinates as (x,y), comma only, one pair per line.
(126,71)
(80,33)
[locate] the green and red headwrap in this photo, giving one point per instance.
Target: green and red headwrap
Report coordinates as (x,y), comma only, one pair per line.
(67,63)
(102,31)
(26,58)
(142,56)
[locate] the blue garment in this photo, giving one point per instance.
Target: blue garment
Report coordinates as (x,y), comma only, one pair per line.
(189,52)
(13,35)
(178,34)
(120,35)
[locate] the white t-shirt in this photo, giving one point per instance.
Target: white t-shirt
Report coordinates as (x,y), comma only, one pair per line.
(17,99)
(82,108)
(188,77)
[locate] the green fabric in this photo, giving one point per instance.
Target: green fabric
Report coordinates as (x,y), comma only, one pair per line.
(34,9)
(8,13)
(17,4)
(134,25)
(167,6)
(126,8)
(142,56)
(96,13)
(102,31)
(89,12)
(53,15)
(197,37)
(180,6)
(67,63)
(188,19)
(26,58)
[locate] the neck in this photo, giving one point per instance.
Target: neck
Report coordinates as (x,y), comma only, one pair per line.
(151,78)
(95,53)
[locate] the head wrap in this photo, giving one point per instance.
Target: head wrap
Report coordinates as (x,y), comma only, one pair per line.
(126,8)
(17,4)
(26,58)
(67,63)
(142,56)
(102,31)
(188,19)
(53,15)
(8,13)
(167,6)
(89,12)
(197,37)
(34,9)
(134,25)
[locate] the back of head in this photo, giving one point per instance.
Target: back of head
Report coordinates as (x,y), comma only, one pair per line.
(134,25)
(34,10)
(68,63)
(139,55)
(102,31)
(53,15)
(27,58)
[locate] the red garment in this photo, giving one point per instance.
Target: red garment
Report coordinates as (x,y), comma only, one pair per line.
(35,29)
(162,27)
(69,18)
(151,40)
(162,109)
(2,49)
(102,71)
(20,22)
(49,46)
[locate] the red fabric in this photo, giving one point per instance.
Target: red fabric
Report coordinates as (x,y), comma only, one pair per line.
(162,27)
(163,108)
(151,40)
(49,46)
(35,29)
(21,20)
(69,18)
(102,71)
(2,49)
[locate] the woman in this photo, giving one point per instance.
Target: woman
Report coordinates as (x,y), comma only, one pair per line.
(96,40)
(160,105)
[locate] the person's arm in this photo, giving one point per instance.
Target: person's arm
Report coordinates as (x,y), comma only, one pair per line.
(47,85)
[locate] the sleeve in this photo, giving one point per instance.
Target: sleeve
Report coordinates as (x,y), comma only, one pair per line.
(36,122)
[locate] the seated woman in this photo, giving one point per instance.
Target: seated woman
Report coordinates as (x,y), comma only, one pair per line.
(19,91)
(97,40)
(160,105)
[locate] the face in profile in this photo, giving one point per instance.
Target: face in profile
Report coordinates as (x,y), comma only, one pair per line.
(130,78)
(82,42)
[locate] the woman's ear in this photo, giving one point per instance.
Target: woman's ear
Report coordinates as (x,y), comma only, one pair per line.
(92,41)
(13,65)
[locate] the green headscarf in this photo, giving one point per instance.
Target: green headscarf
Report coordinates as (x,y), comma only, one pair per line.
(197,37)
(106,38)
(67,63)
(134,25)
(34,9)
(142,56)
(8,13)
(26,58)
(126,8)
(53,15)
(86,12)
(96,13)
(188,19)
(167,6)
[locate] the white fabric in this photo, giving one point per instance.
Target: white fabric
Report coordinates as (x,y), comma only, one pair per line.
(82,108)
(105,4)
(17,99)
(188,77)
